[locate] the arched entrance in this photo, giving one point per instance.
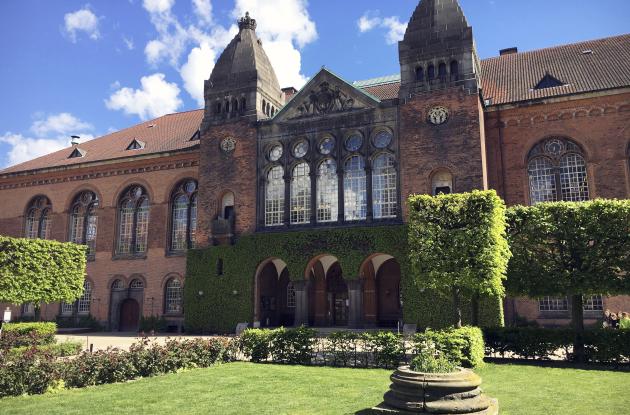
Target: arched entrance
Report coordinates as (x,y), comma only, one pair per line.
(328,296)
(381,291)
(129,315)
(275,296)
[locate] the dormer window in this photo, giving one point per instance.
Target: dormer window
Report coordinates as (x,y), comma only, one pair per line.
(136,145)
(549,81)
(77,153)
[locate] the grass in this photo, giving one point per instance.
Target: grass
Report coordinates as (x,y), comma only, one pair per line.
(245,388)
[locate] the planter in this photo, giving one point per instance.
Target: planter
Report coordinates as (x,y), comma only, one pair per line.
(436,393)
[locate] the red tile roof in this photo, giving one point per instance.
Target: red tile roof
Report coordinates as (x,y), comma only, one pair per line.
(168,133)
(384,91)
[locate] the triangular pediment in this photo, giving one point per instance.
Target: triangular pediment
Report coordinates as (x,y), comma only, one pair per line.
(324,95)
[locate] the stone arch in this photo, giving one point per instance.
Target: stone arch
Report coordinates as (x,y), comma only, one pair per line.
(328,293)
(442,181)
(381,275)
(272,306)
(87,187)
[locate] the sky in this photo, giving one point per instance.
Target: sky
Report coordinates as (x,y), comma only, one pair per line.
(87,68)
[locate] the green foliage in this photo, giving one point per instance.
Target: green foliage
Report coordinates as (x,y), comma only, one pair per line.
(254,343)
(64,349)
(36,270)
(88,321)
(624,324)
(564,248)
(153,323)
(227,298)
(27,334)
(292,346)
(427,362)
(386,349)
(27,373)
(458,241)
(463,346)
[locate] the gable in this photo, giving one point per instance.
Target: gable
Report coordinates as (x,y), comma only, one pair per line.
(548,81)
(324,95)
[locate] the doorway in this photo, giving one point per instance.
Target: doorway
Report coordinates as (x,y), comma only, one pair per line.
(129,316)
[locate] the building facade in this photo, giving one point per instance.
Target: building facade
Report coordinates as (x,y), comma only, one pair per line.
(545,125)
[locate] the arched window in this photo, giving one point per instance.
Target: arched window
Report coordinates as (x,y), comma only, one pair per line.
(557,171)
(133,217)
(291,303)
(454,71)
(184,216)
(354,189)
(173,297)
(384,187)
(83,220)
(327,192)
(274,197)
(442,183)
(136,284)
(243,104)
(118,284)
(218,110)
(227,107)
(83,303)
(442,71)
(301,194)
(234,105)
(431,72)
(420,73)
(38,220)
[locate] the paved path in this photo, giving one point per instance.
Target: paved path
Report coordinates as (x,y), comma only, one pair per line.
(102,341)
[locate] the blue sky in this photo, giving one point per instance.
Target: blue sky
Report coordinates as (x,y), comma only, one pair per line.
(87,68)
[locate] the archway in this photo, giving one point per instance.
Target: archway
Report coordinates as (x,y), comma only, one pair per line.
(275,298)
(328,296)
(129,315)
(381,291)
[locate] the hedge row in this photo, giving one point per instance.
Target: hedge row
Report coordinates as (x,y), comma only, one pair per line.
(27,334)
(228,289)
(35,373)
(601,345)
(463,347)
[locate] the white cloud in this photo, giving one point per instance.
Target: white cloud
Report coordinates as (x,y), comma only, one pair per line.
(155,98)
(128,43)
(395,29)
(82,20)
(198,68)
(203,10)
(52,133)
(158,6)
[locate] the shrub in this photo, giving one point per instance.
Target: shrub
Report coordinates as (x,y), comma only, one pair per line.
(386,349)
(153,323)
(427,362)
(67,348)
(254,343)
(292,346)
(28,373)
(340,348)
(27,334)
(88,322)
(463,346)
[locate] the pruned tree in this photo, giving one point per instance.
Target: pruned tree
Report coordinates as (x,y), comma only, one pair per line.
(458,245)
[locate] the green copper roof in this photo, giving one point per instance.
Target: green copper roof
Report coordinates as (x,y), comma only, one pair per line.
(377,81)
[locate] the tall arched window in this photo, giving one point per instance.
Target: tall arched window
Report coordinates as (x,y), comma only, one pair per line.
(442,71)
(557,171)
(301,194)
(173,297)
(83,303)
(133,225)
(83,220)
(354,189)
(327,192)
(431,72)
(384,187)
(38,220)
(420,73)
(184,215)
(274,197)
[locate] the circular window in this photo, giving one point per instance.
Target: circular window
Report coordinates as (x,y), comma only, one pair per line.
(354,142)
(275,153)
(327,145)
(300,149)
(383,139)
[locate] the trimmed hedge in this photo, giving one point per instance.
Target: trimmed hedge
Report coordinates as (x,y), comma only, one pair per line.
(601,345)
(27,334)
(219,310)
(463,346)
(64,349)
(36,270)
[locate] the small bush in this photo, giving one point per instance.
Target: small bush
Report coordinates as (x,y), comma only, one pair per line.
(427,362)
(27,334)
(387,349)
(292,346)
(340,348)
(29,373)
(464,346)
(153,323)
(254,343)
(65,349)
(84,322)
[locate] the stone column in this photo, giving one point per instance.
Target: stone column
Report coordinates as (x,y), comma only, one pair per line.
(355,312)
(301,303)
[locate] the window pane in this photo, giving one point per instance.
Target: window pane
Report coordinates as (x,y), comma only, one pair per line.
(274,197)
(301,194)
(384,189)
(173,297)
(573,178)
(76,226)
(179,223)
(90,233)
(31,226)
(136,284)
(553,304)
(327,192)
(125,233)
(67,309)
(542,181)
(291,296)
(193,221)
(142,226)
(44,225)
(594,303)
(83,305)
(354,189)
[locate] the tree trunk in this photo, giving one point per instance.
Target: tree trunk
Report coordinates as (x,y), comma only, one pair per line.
(457,307)
(577,317)
(475,310)
(37,312)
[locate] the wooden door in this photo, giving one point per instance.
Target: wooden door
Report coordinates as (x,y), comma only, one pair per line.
(129,315)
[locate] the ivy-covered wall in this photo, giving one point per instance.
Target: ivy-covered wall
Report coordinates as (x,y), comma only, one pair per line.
(219,289)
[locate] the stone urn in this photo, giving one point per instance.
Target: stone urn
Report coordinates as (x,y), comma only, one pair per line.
(436,393)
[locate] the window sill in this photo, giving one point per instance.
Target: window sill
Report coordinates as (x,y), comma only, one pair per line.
(119,257)
(175,254)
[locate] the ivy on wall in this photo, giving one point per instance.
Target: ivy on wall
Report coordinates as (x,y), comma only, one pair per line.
(219,289)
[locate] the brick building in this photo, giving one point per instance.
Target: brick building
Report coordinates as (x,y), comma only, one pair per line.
(551,124)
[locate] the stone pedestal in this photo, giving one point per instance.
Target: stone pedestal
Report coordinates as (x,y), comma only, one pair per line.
(436,393)
(301,303)
(355,296)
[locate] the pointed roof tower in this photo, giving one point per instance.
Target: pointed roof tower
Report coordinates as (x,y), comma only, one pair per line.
(242,79)
(438,34)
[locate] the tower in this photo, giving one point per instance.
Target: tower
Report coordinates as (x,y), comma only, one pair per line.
(441,114)
(242,89)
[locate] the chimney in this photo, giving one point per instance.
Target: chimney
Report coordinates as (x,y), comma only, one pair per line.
(508,51)
(74,140)
(288,93)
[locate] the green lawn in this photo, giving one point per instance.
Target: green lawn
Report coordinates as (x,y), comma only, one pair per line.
(243,388)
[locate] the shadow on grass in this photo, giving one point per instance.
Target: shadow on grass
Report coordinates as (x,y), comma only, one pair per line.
(559,364)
